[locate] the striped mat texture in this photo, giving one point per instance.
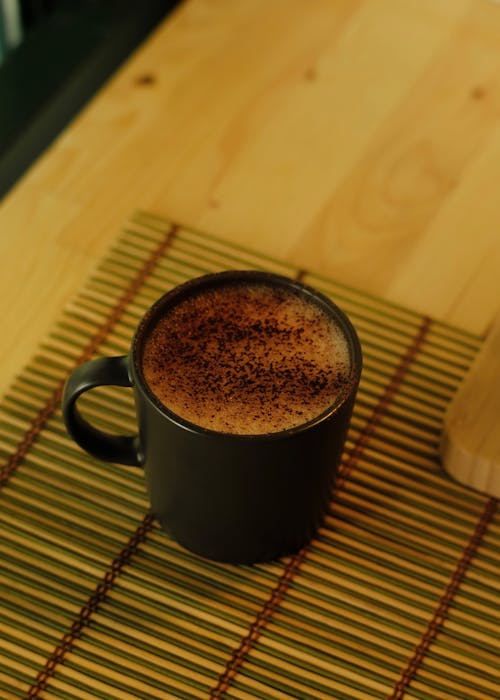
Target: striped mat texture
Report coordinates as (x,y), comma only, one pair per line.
(397,597)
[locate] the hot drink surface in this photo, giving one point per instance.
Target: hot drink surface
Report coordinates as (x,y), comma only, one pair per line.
(246,358)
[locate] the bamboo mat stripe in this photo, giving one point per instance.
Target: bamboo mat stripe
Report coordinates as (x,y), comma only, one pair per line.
(91,606)
(396,597)
(439,617)
(267,610)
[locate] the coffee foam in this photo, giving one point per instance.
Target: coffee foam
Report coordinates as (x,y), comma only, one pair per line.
(246,358)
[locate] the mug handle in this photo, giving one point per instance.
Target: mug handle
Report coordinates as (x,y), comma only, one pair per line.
(110,448)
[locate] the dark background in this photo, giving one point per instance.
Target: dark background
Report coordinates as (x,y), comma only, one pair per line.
(67,49)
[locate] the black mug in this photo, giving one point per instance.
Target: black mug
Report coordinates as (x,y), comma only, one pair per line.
(238,498)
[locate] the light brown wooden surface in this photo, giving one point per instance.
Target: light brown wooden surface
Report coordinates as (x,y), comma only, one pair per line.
(359,139)
(471,442)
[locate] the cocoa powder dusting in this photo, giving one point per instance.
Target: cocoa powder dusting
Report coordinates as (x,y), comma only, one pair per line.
(246,359)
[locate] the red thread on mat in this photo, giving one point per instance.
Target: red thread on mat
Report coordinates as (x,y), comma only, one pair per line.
(259,623)
(102,332)
(439,617)
(265,614)
(384,402)
(91,606)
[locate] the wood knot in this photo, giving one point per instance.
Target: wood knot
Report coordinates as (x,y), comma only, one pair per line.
(310,74)
(478,92)
(145,79)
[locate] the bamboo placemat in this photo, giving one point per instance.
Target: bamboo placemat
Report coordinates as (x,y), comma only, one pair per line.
(397,597)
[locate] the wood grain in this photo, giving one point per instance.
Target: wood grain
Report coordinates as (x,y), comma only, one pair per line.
(358,139)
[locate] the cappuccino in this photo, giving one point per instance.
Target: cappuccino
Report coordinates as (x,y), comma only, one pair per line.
(246,358)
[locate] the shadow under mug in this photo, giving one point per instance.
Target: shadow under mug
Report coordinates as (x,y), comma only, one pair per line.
(228,497)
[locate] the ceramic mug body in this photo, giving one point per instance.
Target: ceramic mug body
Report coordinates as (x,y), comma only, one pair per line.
(229,497)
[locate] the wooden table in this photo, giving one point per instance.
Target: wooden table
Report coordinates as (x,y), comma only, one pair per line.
(360,139)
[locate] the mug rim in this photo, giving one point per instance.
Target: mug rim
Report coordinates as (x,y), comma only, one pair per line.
(212,279)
